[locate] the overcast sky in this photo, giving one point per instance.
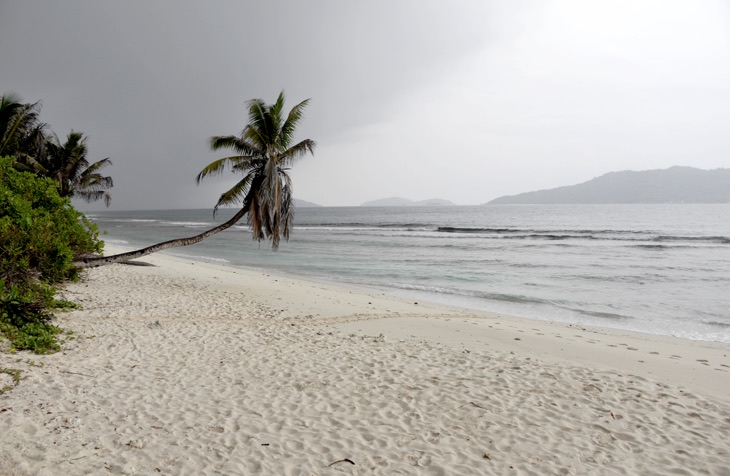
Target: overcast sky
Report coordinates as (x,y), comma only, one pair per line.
(461,100)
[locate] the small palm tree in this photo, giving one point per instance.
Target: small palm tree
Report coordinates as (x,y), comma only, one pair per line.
(262,153)
(67,164)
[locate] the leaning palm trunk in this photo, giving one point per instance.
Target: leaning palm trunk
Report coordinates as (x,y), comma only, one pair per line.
(90,262)
(263,154)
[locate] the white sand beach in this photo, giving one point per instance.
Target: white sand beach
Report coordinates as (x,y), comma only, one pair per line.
(193,368)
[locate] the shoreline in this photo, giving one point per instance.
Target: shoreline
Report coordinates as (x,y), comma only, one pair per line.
(448,301)
(192,367)
(472,329)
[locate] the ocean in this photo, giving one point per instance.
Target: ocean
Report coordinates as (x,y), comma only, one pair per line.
(657,269)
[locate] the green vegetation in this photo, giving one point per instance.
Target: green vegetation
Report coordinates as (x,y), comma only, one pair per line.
(41,235)
(44,241)
(14,375)
(66,163)
(24,137)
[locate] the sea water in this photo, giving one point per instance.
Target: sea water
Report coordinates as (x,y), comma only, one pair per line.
(659,269)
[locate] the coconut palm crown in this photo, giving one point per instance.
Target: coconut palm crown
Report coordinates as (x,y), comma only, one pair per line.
(67,164)
(263,154)
(22,135)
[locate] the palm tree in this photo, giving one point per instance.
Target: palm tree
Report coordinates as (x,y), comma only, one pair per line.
(67,164)
(22,135)
(262,154)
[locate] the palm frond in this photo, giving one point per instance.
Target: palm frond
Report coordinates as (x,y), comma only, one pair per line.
(275,118)
(92,196)
(257,129)
(217,167)
(93,182)
(246,164)
(240,145)
(296,151)
(98,165)
(235,194)
(28,163)
(33,142)
(10,106)
(20,127)
(9,99)
(292,120)
(73,163)
(256,136)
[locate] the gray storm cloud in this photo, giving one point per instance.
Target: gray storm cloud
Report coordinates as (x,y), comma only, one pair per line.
(464,100)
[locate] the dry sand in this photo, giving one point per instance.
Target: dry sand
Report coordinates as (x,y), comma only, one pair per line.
(193,368)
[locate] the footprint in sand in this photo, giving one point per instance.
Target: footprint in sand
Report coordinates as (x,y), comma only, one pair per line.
(432,436)
(418,458)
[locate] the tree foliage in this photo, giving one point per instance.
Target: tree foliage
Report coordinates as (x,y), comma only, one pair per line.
(263,154)
(24,137)
(66,163)
(41,235)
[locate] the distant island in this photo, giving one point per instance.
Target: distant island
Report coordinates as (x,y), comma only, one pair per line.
(304,204)
(672,185)
(404,202)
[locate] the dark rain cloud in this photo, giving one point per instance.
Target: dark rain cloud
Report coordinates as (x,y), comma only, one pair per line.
(417,98)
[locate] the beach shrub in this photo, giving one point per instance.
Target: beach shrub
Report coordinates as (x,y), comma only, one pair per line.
(40,236)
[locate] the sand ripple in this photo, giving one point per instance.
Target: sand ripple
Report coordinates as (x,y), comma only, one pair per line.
(172,376)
